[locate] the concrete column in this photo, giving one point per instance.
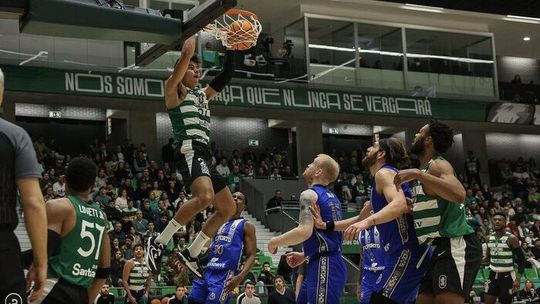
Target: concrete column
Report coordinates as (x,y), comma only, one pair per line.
(142,128)
(476,141)
(309,142)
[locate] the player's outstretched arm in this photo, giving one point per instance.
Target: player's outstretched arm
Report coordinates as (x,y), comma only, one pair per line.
(175,80)
(36,225)
(103,271)
(339,225)
(439,180)
(305,225)
(223,78)
(250,245)
(397,204)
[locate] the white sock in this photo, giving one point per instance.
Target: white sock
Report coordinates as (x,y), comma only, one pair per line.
(168,232)
(198,243)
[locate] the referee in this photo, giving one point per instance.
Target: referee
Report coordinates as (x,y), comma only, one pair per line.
(19,170)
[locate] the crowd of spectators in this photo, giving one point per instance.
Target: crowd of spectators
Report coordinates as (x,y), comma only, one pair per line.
(139,195)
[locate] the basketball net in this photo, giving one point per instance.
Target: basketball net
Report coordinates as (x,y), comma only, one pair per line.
(222,29)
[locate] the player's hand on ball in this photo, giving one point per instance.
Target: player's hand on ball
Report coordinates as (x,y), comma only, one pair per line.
(232,283)
(351,233)
(272,247)
(295,258)
(317,219)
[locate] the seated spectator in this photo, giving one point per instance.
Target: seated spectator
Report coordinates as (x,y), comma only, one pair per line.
(121,201)
(101,179)
(139,223)
(359,191)
(274,201)
(222,168)
(287,172)
(59,187)
(133,234)
(104,296)
(151,232)
(113,215)
(117,233)
(233,180)
(127,249)
(281,294)
(117,266)
(149,214)
(179,297)
(49,194)
(46,181)
(267,277)
(275,174)
(129,213)
(249,296)
(162,222)
(101,197)
(528,294)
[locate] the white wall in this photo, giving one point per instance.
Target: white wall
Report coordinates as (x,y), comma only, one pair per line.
(512,146)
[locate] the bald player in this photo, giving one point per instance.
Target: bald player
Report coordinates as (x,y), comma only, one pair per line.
(326,271)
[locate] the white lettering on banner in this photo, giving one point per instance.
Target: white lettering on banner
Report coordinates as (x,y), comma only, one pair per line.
(259,96)
(231,94)
(288,97)
(122,85)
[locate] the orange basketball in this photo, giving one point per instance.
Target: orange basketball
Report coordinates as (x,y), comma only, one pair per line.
(241,30)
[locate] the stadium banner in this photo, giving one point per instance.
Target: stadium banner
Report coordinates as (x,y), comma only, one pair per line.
(305,98)
(514,113)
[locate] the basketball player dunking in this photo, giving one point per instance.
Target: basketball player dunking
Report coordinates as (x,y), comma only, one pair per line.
(188,110)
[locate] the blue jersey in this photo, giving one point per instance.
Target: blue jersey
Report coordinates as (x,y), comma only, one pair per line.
(399,233)
(322,241)
(227,246)
(372,254)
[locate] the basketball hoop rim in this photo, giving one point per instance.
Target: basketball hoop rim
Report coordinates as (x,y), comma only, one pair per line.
(236,11)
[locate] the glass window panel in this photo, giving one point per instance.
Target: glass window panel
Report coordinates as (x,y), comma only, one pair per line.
(450,63)
(381,56)
(331,49)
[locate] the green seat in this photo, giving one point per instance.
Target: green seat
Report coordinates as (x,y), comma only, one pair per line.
(531,274)
(479,280)
(486,272)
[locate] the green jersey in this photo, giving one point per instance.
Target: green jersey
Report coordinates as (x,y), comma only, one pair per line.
(436,217)
(502,259)
(79,251)
(191,120)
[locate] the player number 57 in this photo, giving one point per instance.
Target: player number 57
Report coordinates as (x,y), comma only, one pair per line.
(87,234)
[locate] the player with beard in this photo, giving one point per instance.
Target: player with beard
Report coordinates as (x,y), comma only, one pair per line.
(439,219)
(326,271)
(404,266)
(503,250)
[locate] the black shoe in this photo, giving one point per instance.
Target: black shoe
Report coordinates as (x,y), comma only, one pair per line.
(154,251)
(191,263)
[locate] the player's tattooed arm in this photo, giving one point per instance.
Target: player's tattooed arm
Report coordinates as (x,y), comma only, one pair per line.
(305,217)
(305,225)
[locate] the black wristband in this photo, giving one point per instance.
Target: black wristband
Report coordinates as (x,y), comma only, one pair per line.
(330,226)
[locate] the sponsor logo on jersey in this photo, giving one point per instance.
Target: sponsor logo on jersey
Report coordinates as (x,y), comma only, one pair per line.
(204,167)
(79,271)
